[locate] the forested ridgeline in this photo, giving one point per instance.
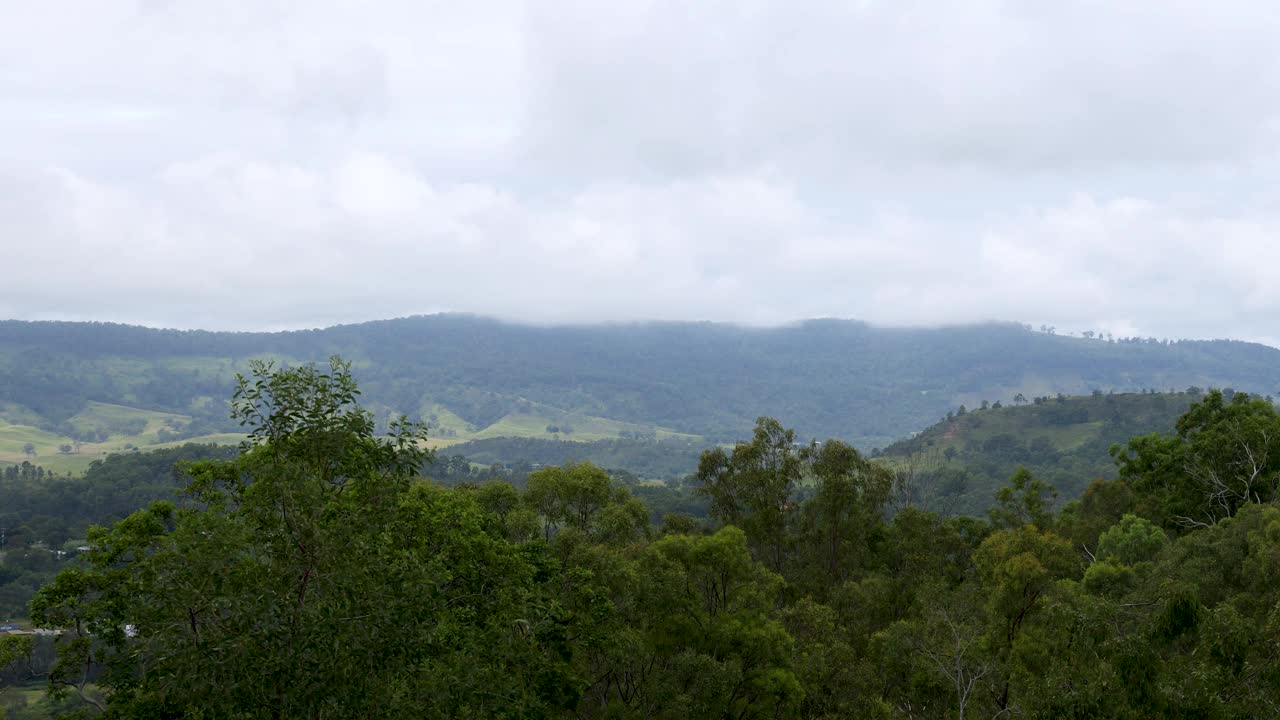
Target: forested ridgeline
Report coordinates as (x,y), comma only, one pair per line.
(830,378)
(316,575)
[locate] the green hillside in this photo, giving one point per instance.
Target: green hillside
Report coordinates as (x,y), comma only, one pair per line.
(957,464)
(668,459)
(961,461)
(98,429)
(116,428)
(827,378)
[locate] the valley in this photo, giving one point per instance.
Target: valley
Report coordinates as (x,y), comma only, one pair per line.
(587,488)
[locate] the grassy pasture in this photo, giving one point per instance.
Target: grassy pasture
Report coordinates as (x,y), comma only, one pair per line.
(585,428)
(95,416)
(103,416)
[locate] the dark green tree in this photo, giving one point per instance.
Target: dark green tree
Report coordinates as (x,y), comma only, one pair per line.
(846,509)
(1225,454)
(753,487)
(315,578)
(1025,500)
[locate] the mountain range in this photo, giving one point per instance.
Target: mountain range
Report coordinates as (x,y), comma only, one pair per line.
(473,378)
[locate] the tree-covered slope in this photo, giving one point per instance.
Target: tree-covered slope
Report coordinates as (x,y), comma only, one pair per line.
(826,378)
(960,462)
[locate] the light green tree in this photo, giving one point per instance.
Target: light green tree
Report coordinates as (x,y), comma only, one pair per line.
(1131,541)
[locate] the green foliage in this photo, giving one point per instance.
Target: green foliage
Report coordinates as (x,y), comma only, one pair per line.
(1103,504)
(1131,541)
(46,517)
(1018,567)
(320,577)
(582,498)
(840,519)
(752,486)
(1025,500)
(317,574)
(959,463)
(1109,579)
(711,601)
(1224,455)
(668,459)
(13,650)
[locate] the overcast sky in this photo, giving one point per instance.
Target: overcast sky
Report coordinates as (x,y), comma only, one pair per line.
(257,165)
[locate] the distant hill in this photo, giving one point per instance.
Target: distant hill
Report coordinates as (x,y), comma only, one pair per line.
(960,462)
(478,378)
(668,460)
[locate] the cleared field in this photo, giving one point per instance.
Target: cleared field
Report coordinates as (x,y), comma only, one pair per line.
(23,696)
(31,701)
(18,415)
(989,425)
(13,438)
(212,439)
(444,423)
(104,416)
(585,428)
(128,428)
(21,434)
(48,446)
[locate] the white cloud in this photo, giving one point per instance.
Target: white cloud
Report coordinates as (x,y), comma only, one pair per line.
(248,165)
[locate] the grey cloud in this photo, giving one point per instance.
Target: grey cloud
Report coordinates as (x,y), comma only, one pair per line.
(261,165)
(1008,87)
(285,245)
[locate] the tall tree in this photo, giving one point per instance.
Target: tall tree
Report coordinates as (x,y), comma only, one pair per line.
(315,578)
(753,487)
(846,508)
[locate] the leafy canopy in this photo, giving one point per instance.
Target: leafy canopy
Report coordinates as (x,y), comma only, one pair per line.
(314,578)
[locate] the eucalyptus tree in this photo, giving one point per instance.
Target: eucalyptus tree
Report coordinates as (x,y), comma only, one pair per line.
(315,577)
